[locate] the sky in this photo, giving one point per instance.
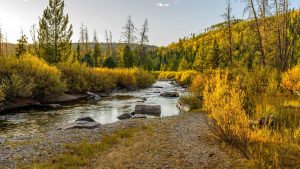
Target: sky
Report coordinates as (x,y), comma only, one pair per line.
(169,20)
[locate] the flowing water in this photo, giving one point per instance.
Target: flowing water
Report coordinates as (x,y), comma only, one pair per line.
(27,122)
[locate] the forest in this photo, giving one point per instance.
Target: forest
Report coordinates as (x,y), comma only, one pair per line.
(244,73)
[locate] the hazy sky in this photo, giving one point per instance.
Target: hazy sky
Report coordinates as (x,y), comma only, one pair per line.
(168,19)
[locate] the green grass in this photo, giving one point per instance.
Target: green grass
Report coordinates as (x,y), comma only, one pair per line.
(81,155)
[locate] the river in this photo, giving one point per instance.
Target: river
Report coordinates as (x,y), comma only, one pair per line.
(27,122)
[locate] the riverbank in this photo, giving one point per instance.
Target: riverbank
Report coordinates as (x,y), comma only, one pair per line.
(180,141)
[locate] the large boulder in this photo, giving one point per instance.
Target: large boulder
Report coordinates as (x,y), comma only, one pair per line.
(170,94)
(125,116)
(148,109)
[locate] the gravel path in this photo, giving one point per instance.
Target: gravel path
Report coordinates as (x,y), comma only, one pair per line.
(182,141)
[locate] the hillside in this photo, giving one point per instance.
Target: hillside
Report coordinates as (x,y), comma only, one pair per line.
(211,48)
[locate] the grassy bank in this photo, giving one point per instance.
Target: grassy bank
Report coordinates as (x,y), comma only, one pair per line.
(31,77)
(84,154)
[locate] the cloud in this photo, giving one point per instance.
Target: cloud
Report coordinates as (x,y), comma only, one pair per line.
(160,4)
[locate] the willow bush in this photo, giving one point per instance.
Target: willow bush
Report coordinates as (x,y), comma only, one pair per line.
(80,78)
(29,77)
(291,79)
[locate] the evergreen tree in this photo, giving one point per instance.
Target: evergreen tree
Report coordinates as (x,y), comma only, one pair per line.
(21,46)
(110,63)
(97,51)
(129,31)
(213,57)
(127,57)
(143,41)
(183,65)
(89,60)
(78,51)
(55,34)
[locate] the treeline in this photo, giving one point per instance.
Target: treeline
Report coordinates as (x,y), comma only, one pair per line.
(51,65)
(269,38)
(31,77)
(51,40)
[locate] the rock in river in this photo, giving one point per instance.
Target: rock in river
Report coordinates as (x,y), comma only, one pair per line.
(93,97)
(89,119)
(170,94)
(148,109)
(125,116)
(81,123)
(139,116)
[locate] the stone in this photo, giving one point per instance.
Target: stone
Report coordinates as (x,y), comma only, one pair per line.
(93,97)
(148,109)
(81,125)
(125,116)
(54,106)
(157,87)
(170,94)
(267,121)
(139,116)
(88,119)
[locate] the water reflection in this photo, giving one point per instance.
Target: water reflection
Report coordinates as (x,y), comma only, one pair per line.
(27,122)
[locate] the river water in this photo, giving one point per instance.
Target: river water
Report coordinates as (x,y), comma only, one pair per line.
(27,122)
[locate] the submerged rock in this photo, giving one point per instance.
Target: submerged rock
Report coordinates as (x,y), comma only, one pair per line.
(170,94)
(53,106)
(80,125)
(125,116)
(148,109)
(89,119)
(139,116)
(93,97)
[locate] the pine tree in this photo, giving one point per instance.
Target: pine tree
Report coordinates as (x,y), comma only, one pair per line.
(97,51)
(127,57)
(21,46)
(213,57)
(183,65)
(144,40)
(54,33)
(129,31)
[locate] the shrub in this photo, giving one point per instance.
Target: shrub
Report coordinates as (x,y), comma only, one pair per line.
(144,78)
(197,86)
(81,78)
(2,95)
(224,103)
(291,79)
(29,76)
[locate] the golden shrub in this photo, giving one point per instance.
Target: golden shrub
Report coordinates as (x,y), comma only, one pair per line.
(2,95)
(291,79)
(198,85)
(81,78)
(29,76)
(224,103)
